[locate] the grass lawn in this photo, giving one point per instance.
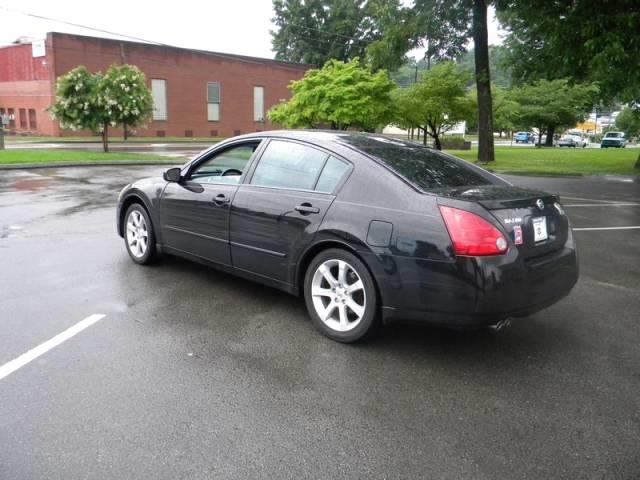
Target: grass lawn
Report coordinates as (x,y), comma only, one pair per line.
(115,139)
(559,161)
(8,157)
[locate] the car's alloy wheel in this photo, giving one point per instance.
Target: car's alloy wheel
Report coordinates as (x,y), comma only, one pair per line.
(340,295)
(138,235)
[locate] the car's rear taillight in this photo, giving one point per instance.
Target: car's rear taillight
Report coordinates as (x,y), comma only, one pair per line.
(472,235)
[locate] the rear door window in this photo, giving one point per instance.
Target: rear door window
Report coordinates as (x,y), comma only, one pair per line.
(289,165)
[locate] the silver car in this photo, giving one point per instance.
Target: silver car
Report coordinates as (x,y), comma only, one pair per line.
(572,141)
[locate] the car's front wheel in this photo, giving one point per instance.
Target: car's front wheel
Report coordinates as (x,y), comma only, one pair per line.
(340,295)
(139,237)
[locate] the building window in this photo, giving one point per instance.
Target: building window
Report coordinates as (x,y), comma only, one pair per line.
(33,124)
(258,104)
(159,94)
(213,101)
(12,118)
(22,114)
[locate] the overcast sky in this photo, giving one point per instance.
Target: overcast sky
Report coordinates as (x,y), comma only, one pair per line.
(230,26)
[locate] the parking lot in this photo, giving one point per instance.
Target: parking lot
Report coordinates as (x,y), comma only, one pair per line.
(193,374)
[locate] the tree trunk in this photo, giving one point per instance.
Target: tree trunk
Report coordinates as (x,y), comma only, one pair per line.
(539,137)
(436,142)
(424,136)
(434,132)
(124,131)
(550,132)
(483,82)
(105,137)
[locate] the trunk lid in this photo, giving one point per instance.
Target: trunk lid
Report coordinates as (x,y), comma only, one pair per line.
(529,215)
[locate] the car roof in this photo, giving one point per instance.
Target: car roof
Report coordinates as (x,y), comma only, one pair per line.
(302,134)
(346,138)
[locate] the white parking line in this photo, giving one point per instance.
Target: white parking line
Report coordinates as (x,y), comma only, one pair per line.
(603,205)
(563,197)
(586,229)
(25,358)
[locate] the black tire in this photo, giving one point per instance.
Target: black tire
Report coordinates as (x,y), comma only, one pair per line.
(368,320)
(150,252)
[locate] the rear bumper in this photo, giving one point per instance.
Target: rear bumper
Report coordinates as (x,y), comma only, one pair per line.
(480,291)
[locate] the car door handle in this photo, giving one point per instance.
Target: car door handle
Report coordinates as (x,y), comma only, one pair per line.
(221,199)
(306,208)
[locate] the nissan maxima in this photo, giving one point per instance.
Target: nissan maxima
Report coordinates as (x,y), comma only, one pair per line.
(366,228)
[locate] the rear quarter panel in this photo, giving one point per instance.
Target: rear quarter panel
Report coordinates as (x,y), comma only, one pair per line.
(416,268)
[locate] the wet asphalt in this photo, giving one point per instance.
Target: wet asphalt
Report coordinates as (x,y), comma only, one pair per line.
(195,374)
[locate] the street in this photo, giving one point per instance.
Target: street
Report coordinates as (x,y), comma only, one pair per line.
(195,374)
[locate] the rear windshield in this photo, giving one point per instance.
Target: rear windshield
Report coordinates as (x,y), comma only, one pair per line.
(426,168)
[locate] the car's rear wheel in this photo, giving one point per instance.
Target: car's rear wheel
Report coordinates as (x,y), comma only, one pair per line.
(139,237)
(340,295)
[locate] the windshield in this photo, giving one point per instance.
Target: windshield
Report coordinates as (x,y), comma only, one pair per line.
(426,168)
(613,135)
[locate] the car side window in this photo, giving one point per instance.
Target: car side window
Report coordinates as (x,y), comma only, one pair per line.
(289,165)
(331,175)
(225,167)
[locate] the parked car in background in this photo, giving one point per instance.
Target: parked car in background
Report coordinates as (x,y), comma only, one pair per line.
(524,137)
(364,227)
(572,141)
(614,140)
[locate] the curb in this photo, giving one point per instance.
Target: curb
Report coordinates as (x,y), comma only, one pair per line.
(135,163)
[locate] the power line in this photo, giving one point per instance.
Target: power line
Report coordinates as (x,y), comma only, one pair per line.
(346,37)
(64,22)
(242,58)
(144,40)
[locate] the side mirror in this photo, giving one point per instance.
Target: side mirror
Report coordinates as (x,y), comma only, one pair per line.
(172,175)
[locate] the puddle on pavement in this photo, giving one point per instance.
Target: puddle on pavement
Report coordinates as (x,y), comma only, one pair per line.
(75,189)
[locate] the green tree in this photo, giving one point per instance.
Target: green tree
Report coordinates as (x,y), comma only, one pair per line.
(628,121)
(553,105)
(434,104)
(316,31)
(96,101)
(445,26)
(585,40)
(505,111)
(498,65)
(341,94)
(410,72)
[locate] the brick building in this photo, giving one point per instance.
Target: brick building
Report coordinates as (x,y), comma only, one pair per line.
(196,93)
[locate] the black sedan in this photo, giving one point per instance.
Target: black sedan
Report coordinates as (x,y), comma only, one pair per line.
(364,227)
